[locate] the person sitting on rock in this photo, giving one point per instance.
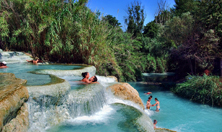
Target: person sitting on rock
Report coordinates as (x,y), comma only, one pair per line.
(3,64)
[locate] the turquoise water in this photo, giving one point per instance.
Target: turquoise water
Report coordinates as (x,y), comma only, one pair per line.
(181,114)
(176,113)
(21,70)
(114,118)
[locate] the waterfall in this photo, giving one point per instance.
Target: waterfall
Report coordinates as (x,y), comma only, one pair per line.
(86,101)
(82,102)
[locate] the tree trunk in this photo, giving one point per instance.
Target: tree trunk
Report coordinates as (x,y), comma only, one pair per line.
(220,66)
(191,67)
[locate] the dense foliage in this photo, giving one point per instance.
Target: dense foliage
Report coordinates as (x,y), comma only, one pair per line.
(68,32)
(204,89)
(184,39)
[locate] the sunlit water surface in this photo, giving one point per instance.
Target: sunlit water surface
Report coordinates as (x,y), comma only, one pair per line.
(22,70)
(176,113)
(181,114)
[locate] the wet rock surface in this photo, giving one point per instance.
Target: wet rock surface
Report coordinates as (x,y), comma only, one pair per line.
(12,97)
(163,130)
(20,123)
(127,92)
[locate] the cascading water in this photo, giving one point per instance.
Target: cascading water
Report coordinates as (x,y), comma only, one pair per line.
(14,57)
(81,102)
(85,101)
(53,104)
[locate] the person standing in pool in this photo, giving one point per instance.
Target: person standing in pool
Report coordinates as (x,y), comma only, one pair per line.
(148,104)
(151,97)
(157,104)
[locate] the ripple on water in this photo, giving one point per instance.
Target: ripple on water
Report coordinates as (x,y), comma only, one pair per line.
(180,114)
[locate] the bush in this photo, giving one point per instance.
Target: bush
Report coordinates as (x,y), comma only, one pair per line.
(203,89)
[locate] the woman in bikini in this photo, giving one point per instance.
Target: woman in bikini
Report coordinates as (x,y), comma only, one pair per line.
(157,104)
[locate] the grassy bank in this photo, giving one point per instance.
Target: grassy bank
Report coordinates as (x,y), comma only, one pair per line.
(203,89)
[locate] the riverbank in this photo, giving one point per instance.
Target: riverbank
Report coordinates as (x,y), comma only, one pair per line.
(202,89)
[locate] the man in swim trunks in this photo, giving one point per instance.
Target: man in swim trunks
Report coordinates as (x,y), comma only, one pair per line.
(148,104)
(157,104)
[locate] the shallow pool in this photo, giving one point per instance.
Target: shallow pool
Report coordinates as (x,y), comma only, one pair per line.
(22,70)
(112,118)
(176,113)
(180,114)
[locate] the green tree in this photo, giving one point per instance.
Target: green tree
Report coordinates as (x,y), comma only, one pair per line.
(135,18)
(163,14)
(178,28)
(112,20)
(150,30)
(183,6)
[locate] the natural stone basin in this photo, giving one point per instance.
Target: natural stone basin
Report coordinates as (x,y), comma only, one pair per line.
(54,103)
(27,71)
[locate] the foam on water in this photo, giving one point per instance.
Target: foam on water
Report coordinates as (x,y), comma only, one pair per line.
(77,103)
(101,116)
(89,104)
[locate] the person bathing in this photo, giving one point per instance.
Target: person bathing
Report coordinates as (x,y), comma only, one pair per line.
(3,64)
(86,79)
(93,79)
(148,104)
(157,104)
(154,123)
(35,61)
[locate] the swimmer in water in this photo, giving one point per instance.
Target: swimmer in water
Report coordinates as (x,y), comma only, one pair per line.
(148,93)
(157,104)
